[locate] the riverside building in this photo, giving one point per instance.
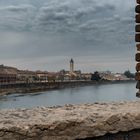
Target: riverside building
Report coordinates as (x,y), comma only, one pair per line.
(8,74)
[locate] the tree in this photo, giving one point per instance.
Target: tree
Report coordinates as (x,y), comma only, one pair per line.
(95,76)
(128,74)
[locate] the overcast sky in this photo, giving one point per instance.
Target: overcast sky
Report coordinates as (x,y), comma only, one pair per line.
(46,34)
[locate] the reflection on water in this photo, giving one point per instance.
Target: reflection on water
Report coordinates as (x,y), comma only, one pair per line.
(77,95)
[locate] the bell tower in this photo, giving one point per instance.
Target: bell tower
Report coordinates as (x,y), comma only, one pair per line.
(71,66)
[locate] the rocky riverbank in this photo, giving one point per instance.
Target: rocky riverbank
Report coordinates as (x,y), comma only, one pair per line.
(69,122)
(39,87)
(22,90)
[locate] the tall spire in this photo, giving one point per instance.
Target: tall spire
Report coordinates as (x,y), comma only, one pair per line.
(71,65)
(71,61)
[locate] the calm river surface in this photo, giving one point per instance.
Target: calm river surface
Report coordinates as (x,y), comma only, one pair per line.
(77,95)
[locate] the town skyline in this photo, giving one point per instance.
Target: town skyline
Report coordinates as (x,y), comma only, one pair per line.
(71,67)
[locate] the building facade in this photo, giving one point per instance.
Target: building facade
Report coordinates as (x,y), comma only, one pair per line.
(7,74)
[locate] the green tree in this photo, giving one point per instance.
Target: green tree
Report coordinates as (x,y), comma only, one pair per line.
(96,76)
(128,74)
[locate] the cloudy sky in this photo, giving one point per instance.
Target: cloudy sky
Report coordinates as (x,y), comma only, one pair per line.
(46,34)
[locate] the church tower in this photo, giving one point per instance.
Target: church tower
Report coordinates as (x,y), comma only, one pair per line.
(71,66)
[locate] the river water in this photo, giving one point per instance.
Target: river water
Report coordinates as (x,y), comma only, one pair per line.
(77,95)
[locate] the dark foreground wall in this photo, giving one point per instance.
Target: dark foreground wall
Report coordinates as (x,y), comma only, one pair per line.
(131,135)
(104,121)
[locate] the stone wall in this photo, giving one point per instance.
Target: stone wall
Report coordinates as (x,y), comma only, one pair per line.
(113,121)
(131,135)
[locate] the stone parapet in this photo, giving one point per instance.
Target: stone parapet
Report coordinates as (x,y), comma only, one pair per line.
(70,122)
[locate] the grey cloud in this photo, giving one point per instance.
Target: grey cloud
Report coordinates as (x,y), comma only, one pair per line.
(69,16)
(95,22)
(12,8)
(59,16)
(16,17)
(50,30)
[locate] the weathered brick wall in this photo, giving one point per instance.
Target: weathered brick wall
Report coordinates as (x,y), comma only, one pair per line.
(137,39)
